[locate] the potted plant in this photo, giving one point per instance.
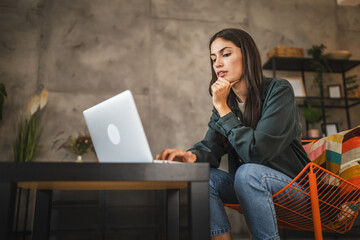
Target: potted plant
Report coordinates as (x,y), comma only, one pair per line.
(3,95)
(313,115)
(320,66)
(28,130)
(77,146)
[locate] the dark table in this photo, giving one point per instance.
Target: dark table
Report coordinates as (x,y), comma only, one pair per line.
(48,176)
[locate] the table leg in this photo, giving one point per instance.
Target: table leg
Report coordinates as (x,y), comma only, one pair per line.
(41,229)
(199,225)
(172,213)
(7,209)
(161,210)
(102,213)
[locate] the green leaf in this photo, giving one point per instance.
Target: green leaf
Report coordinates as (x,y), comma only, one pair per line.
(312,115)
(27,135)
(352,87)
(351,82)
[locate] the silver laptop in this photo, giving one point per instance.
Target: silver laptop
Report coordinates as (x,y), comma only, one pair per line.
(116,131)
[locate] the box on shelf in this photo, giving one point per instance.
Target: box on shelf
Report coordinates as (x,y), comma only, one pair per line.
(285,51)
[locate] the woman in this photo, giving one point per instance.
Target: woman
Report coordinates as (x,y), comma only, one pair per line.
(254,121)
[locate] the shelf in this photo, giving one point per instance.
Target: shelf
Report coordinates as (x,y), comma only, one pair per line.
(303,64)
(329,102)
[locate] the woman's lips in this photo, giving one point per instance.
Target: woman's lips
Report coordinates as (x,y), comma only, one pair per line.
(222,73)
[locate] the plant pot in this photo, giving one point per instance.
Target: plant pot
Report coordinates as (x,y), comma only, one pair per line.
(313,133)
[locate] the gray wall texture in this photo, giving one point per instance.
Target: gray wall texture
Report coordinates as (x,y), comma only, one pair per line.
(85,51)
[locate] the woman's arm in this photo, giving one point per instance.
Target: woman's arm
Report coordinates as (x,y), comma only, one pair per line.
(212,147)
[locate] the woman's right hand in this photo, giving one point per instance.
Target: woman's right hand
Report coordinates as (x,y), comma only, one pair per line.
(177,155)
(220,92)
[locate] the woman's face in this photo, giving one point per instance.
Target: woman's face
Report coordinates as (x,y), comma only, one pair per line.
(226,60)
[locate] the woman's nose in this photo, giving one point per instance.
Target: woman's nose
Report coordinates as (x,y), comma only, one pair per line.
(218,63)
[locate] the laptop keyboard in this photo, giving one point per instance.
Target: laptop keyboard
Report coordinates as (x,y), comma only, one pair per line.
(167,162)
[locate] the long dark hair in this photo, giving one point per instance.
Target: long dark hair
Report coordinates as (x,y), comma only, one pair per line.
(252,74)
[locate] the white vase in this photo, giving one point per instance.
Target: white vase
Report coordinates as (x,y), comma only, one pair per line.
(79,158)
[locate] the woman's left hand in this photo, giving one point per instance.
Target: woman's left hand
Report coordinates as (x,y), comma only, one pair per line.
(220,91)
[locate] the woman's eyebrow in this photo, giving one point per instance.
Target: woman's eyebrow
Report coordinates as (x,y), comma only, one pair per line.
(221,50)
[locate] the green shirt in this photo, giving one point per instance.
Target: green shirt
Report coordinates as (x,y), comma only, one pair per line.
(275,142)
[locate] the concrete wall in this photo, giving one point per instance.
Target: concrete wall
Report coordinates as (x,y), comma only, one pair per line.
(84,51)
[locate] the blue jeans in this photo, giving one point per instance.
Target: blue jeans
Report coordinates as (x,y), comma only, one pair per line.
(252,186)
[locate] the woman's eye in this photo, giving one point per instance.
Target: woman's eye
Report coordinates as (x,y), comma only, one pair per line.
(226,54)
(213,60)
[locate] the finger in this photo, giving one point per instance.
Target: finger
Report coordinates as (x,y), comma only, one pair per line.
(223,82)
(216,84)
(158,157)
(215,91)
(164,154)
(214,88)
(178,159)
(175,154)
(172,156)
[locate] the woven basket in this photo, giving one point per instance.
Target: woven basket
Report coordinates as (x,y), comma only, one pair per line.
(285,51)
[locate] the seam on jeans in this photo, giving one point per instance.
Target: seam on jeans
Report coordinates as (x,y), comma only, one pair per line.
(270,200)
(274,177)
(271,204)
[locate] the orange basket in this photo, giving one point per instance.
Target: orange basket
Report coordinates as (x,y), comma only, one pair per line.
(327,202)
